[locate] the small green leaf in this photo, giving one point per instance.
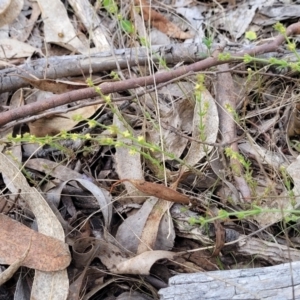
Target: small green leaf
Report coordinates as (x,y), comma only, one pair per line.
(280,28)
(207,42)
(110,6)
(247,58)
(223,214)
(144,42)
(224,56)
(251,35)
(127,26)
(291,46)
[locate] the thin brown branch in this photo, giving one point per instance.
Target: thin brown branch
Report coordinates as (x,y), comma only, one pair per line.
(107,88)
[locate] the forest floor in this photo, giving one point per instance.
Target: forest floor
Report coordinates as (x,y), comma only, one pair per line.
(141,140)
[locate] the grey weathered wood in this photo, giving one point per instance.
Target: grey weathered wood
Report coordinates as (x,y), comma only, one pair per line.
(73,65)
(260,283)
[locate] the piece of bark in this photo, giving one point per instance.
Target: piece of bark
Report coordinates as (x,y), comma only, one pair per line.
(276,282)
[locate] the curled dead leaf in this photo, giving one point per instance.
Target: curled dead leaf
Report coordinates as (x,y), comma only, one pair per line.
(9,10)
(161,23)
(142,263)
(46,253)
(54,86)
(157,190)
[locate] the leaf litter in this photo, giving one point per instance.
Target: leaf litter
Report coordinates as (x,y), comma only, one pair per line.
(227,159)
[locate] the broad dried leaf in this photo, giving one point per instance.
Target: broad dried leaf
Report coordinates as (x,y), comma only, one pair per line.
(293,171)
(236,20)
(116,260)
(10,48)
(4,4)
(194,15)
(271,200)
(57,26)
(54,86)
(12,269)
(177,113)
(160,191)
(130,231)
(128,165)
(205,128)
(185,229)
(53,284)
(151,234)
(22,29)
(266,157)
(85,249)
(161,23)
(103,198)
(70,176)
(88,17)
(157,232)
(46,253)
(9,10)
(282,202)
(54,124)
(56,170)
(142,263)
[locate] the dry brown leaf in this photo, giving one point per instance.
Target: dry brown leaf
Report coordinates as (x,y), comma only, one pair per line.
(56,283)
(116,260)
(54,86)
(231,2)
(9,10)
(179,114)
(128,165)
(54,124)
(150,231)
(56,170)
(162,23)
(12,269)
(45,254)
(157,231)
(158,190)
(293,128)
(86,13)
(10,48)
(58,28)
(95,277)
(85,249)
(210,123)
(74,178)
(142,263)
(220,238)
(22,28)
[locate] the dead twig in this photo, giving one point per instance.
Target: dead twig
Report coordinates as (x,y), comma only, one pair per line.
(107,87)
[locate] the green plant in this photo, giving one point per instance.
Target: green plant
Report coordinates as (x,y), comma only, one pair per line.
(111,7)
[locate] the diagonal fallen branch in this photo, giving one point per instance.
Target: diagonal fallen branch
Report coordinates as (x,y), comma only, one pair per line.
(107,87)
